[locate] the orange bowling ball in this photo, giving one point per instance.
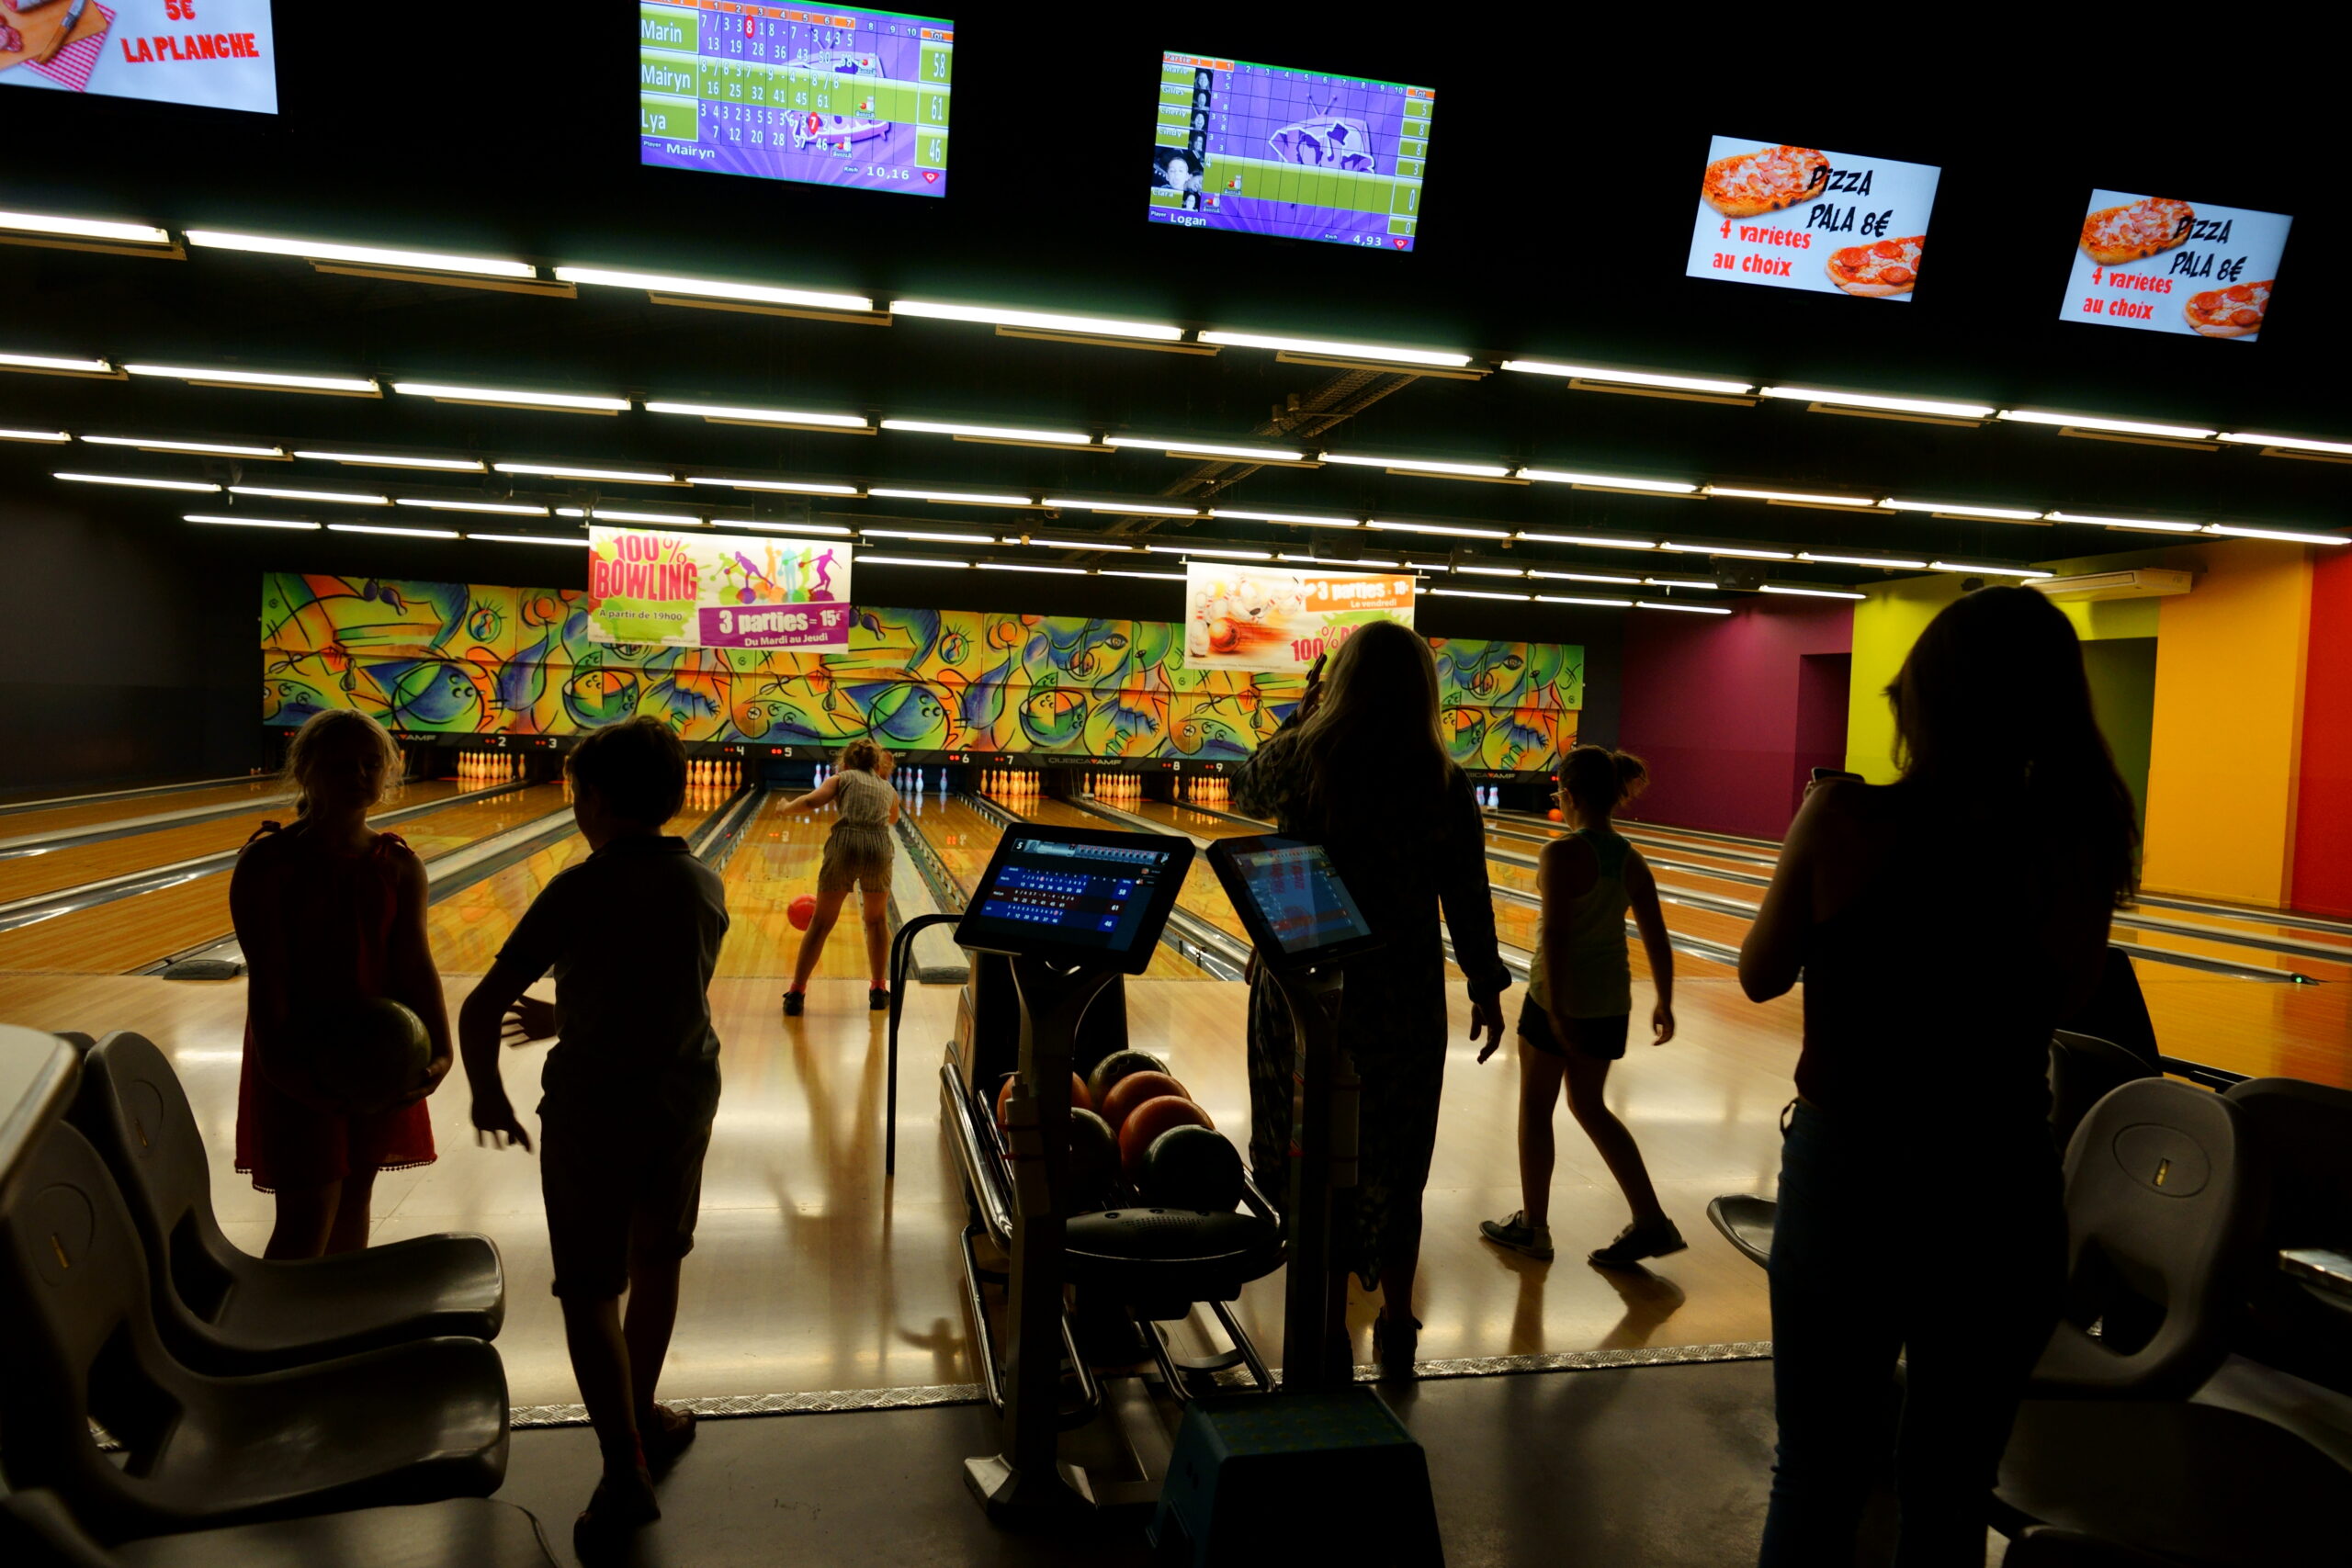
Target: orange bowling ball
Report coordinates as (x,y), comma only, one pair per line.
(1150,1118)
(1557,815)
(1133,1090)
(801,911)
(1079,1099)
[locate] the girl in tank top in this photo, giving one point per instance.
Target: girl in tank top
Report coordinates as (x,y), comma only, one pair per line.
(857,856)
(1580,1001)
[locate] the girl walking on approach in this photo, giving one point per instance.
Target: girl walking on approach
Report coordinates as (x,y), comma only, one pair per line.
(857,855)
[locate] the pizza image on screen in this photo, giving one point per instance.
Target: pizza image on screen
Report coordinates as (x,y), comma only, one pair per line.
(2137,229)
(1766,180)
(2159,264)
(1877,270)
(2234,312)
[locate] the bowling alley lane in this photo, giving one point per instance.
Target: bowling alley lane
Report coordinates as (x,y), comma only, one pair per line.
(775,862)
(92,815)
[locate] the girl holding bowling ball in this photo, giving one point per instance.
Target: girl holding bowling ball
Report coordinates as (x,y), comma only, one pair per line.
(857,857)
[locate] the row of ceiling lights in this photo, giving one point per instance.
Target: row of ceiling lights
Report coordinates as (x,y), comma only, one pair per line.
(449,268)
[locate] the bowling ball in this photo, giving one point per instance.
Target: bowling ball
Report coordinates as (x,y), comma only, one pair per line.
(1557,815)
(1079,1099)
(1133,1090)
(1093,1162)
(801,911)
(1147,1121)
(363,1055)
(1191,1167)
(1118,1064)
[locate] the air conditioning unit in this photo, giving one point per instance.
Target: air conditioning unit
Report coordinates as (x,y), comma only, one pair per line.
(2140,582)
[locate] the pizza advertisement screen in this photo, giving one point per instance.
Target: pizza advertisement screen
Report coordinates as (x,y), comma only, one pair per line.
(855,98)
(2162,264)
(1806,218)
(1296,153)
(218,54)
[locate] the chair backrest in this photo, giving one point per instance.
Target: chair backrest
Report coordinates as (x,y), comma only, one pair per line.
(2083,1069)
(2162,1196)
(2044,1547)
(2305,1134)
(37,1532)
(134,1111)
(77,1340)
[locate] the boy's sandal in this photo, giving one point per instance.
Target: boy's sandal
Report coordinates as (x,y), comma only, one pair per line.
(666,1437)
(613,1510)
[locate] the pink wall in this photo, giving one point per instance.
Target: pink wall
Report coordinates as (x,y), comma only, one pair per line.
(2322,878)
(1716,704)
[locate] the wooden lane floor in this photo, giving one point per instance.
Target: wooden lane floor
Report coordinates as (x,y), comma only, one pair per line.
(110,939)
(812,1272)
(34,817)
(775,862)
(27,875)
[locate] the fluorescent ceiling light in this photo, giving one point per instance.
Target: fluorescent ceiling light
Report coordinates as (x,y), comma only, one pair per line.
(381,528)
(1125,506)
(1017,566)
(572,512)
(1689,609)
(1205,449)
(791,487)
(1896,561)
(1300,519)
(1217,550)
(672,519)
(1037,321)
(51,362)
(618,476)
(531,539)
(1584,577)
(2288,534)
(569,401)
(1630,377)
(762,416)
(1494,570)
(377,460)
(1150,576)
(1991,570)
(1478,594)
(928,538)
(1420,465)
(265,379)
(251,522)
(1571,599)
(968,498)
(1813,593)
(752,293)
(51,436)
(1595,540)
(910,560)
(2125,426)
(824,528)
(2141,522)
(1800,498)
(1614,481)
(1367,562)
(136,483)
(1447,529)
(1337,350)
(1097,543)
(214,449)
(331,497)
(2009,513)
(1680,582)
(509,508)
(1728,550)
(2292,443)
(83,228)
(376,256)
(1870,400)
(990,432)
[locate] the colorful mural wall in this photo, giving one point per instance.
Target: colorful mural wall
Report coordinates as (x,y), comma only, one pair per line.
(458,659)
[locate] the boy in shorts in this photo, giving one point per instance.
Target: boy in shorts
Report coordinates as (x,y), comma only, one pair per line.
(632,933)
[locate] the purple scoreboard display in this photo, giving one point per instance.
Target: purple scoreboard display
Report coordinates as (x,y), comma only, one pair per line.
(1299,153)
(855,98)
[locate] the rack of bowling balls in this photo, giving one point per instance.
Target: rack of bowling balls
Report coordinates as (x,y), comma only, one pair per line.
(1137,1135)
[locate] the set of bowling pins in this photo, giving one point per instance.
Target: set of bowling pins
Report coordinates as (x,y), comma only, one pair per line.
(1115,786)
(488,767)
(1490,796)
(713,774)
(1207,789)
(1012,781)
(916,781)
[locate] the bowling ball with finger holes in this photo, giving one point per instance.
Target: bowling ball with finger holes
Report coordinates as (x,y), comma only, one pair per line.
(1079,1099)
(1116,1065)
(362,1055)
(801,911)
(1191,1167)
(1147,1121)
(1133,1090)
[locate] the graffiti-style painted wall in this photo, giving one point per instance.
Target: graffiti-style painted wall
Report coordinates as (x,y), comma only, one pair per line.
(460,659)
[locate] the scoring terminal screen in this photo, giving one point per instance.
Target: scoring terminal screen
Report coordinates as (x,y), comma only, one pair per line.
(856,98)
(1302,155)
(1048,892)
(1301,898)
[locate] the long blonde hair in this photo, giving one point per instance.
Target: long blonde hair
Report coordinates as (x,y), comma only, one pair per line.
(1374,737)
(329,735)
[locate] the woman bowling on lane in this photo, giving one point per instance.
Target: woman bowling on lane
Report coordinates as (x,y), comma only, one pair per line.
(1944,924)
(1579,1000)
(1362,769)
(329,912)
(857,855)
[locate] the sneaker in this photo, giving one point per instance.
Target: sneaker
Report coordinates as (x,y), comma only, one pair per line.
(665,1435)
(878,999)
(1637,1242)
(1518,1235)
(622,1504)
(792,1003)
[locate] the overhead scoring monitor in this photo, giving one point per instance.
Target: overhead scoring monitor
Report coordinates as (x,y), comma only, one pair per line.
(1303,154)
(1292,900)
(1076,895)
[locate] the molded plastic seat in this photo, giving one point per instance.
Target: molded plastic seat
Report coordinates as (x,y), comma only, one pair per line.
(2043,1547)
(411,1423)
(2305,1133)
(36,1531)
(223,1311)
(2083,1070)
(1747,1223)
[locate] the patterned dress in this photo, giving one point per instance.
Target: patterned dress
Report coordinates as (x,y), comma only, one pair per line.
(1405,865)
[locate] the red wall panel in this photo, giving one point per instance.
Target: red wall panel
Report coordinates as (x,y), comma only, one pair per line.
(2323,875)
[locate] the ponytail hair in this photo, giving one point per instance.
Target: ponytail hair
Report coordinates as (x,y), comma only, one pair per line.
(335,735)
(860,755)
(1597,781)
